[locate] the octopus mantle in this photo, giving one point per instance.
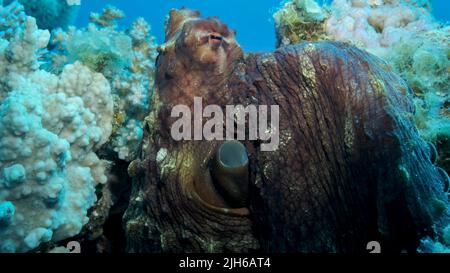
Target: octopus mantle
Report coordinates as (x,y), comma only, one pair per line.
(350,167)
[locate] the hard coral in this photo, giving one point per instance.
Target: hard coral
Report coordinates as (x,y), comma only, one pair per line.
(125,58)
(50,127)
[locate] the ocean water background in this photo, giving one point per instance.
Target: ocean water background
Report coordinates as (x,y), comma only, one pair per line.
(252,19)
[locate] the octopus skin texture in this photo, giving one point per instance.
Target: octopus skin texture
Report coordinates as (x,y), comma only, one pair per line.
(350,167)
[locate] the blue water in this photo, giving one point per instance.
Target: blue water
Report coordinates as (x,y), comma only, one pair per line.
(252,19)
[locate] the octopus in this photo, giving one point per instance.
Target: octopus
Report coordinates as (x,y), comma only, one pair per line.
(350,167)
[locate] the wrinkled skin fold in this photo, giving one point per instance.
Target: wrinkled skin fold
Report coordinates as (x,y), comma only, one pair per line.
(350,168)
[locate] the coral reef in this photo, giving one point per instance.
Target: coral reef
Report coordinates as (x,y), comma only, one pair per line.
(74,105)
(408,37)
(423,61)
(50,127)
(61,102)
(377,25)
(50,14)
(126,59)
(372,25)
(12,18)
(300,20)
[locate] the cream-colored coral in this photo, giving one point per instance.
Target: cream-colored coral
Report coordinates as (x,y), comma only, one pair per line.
(77,80)
(50,127)
(375,25)
(126,59)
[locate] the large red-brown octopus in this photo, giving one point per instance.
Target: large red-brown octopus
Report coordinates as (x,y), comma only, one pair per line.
(350,167)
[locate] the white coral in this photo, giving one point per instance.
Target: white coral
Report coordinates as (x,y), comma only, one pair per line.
(376,25)
(78,81)
(126,58)
(50,126)
(127,139)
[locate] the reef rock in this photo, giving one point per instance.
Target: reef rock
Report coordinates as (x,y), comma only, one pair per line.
(350,167)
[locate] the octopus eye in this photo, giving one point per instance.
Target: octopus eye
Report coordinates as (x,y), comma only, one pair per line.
(230,173)
(215,39)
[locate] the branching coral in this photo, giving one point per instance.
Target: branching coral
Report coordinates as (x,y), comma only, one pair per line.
(127,61)
(50,127)
(108,18)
